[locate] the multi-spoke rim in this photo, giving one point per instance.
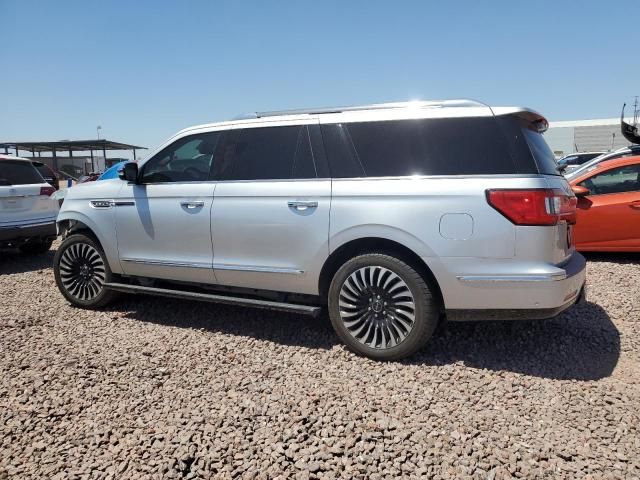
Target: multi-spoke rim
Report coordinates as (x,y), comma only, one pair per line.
(82,271)
(377,307)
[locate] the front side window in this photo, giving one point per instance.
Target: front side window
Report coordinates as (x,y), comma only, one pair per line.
(617,180)
(269,153)
(186,160)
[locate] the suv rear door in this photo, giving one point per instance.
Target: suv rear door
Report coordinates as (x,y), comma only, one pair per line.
(270,216)
(22,198)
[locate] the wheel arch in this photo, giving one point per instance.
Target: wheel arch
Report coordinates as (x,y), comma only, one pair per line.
(76,222)
(364,245)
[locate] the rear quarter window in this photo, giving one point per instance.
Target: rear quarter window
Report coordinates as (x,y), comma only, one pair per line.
(18,173)
(527,146)
(449,146)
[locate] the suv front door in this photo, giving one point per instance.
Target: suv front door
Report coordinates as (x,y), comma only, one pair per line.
(270,216)
(163,221)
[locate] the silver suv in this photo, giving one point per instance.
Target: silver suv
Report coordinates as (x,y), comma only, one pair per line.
(393,216)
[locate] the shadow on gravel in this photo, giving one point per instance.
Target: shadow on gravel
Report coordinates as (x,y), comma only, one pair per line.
(613,257)
(278,327)
(13,261)
(580,344)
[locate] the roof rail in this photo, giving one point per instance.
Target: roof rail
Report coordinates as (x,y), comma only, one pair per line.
(375,106)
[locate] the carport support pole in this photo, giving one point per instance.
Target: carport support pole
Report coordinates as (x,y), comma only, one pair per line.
(17,151)
(134,154)
(93,168)
(6,150)
(104,155)
(55,159)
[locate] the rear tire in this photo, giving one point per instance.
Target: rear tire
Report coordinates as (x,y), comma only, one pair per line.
(381,307)
(81,270)
(36,246)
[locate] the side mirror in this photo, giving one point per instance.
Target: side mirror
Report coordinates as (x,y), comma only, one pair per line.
(129,172)
(579,191)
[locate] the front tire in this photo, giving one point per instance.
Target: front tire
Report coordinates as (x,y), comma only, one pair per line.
(381,307)
(81,271)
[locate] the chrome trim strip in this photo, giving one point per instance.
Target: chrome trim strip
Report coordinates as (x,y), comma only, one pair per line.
(164,263)
(218,266)
(123,203)
(254,268)
(99,204)
(543,277)
(27,225)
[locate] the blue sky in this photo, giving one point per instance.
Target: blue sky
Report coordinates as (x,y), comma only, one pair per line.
(145,69)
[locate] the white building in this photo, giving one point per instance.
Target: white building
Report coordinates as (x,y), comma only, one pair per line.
(599,135)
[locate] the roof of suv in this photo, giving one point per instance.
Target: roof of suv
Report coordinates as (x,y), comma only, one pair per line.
(12,157)
(473,107)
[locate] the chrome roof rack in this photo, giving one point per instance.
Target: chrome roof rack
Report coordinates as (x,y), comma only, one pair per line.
(374,106)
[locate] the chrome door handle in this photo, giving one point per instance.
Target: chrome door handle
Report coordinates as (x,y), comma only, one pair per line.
(192,205)
(302,204)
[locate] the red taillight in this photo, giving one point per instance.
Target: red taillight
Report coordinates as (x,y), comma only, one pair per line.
(48,191)
(534,206)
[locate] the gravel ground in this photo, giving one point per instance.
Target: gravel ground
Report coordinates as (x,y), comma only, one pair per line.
(155,388)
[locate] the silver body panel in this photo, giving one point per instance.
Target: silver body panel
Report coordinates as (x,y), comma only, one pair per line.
(277,235)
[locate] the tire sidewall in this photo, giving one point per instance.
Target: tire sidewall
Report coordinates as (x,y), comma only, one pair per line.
(105,295)
(426,314)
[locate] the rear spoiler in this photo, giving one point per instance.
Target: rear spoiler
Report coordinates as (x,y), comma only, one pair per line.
(536,121)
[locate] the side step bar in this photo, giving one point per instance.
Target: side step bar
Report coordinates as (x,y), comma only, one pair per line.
(209,297)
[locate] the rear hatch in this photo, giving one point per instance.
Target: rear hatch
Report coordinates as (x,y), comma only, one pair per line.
(24,195)
(524,132)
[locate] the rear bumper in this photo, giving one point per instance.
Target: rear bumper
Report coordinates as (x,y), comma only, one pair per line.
(23,231)
(542,292)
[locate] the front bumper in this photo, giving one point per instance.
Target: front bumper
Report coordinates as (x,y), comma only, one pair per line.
(539,295)
(43,229)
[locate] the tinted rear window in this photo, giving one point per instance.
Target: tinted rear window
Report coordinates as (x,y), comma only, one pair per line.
(450,146)
(18,173)
(541,152)
(271,153)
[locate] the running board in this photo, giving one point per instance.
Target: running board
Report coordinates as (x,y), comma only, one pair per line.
(209,297)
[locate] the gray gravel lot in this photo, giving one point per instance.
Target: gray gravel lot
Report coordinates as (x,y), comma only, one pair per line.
(155,388)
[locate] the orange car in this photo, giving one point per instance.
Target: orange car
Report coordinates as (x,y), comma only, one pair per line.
(608,207)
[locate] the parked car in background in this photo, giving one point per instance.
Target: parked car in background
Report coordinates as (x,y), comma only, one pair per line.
(629,151)
(392,216)
(47,173)
(608,217)
(574,160)
(27,212)
(89,177)
(112,172)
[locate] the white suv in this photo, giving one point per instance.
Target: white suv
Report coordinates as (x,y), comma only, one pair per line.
(27,213)
(392,216)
